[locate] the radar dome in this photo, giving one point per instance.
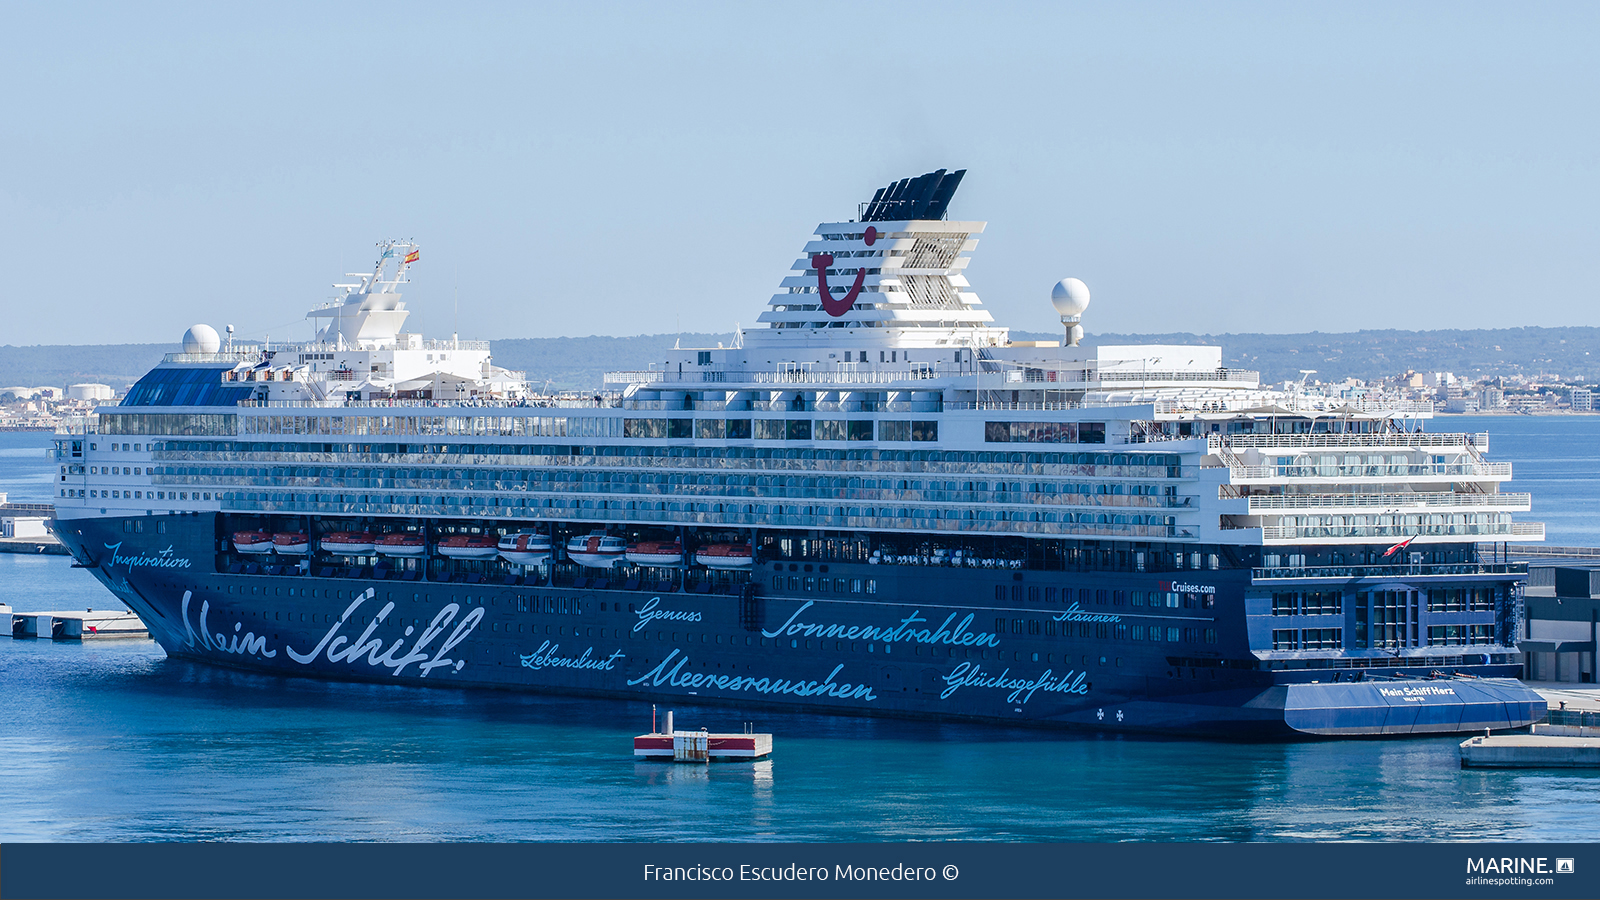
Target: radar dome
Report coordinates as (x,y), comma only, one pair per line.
(201,339)
(1070,297)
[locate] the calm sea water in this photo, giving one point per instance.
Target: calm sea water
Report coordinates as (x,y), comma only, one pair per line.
(111,741)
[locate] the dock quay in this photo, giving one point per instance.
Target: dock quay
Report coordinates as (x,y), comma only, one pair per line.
(24,528)
(47,545)
(73,625)
(700,746)
(1538,750)
(1568,738)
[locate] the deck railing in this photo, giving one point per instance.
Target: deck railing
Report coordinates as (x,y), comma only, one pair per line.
(1479,440)
(1400,501)
(1382,470)
(1463,530)
(1398,571)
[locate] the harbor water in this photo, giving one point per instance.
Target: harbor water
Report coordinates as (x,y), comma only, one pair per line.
(112,741)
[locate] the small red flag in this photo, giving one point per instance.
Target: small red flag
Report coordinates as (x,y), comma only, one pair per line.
(1398,547)
(413,256)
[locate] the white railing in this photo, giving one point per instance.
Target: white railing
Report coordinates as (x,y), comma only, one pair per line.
(649,377)
(611,401)
(802,376)
(697,375)
(1397,570)
(1521,530)
(1382,439)
(254,353)
(1292,404)
(1402,501)
(236,356)
(1248,376)
(1316,472)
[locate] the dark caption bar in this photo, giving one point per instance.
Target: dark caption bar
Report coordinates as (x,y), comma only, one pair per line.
(656,871)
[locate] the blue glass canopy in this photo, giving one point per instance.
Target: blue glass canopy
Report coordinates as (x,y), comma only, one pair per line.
(187,386)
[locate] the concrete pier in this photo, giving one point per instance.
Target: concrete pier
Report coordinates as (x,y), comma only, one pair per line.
(75,625)
(1530,751)
(47,545)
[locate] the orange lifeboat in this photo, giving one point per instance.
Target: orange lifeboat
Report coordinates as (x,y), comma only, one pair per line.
(656,553)
(347,543)
(292,543)
(401,543)
(252,542)
(469,546)
(725,556)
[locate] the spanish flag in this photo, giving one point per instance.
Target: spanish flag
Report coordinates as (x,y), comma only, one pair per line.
(413,256)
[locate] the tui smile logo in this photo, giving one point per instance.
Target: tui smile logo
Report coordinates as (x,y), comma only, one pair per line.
(821,262)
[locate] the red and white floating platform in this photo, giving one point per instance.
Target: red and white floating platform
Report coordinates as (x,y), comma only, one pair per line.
(700,746)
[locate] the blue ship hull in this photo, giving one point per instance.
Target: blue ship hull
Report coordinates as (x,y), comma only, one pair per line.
(926,642)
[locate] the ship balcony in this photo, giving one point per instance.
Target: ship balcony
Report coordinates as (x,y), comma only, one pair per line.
(1080,379)
(726,517)
(896,406)
(682,405)
(1310,405)
(1507,502)
(843,373)
(1428,532)
(1010,503)
(1353,441)
(586,401)
(1367,474)
(1344,574)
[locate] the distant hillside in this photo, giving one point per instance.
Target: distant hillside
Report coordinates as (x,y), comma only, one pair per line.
(1571,352)
(59,365)
(579,363)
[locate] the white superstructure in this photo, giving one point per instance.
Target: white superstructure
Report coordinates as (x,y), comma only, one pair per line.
(880,388)
(360,351)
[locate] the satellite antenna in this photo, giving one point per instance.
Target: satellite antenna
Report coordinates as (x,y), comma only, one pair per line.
(1070,298)
(230,338)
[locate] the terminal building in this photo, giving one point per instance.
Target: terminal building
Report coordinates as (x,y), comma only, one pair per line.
(1561,610)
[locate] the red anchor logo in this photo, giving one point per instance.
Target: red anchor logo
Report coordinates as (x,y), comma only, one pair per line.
(821,262)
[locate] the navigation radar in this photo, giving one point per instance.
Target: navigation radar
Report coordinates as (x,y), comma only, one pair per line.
(201,339)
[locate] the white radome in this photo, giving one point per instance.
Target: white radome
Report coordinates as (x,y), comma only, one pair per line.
(201,339)
(1070,297)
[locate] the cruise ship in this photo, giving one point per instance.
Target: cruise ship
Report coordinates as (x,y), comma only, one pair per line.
(874,502)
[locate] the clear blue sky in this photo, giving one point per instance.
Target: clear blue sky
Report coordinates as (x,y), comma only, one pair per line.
(624,169)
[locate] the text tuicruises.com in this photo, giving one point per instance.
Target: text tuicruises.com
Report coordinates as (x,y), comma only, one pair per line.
(791,872)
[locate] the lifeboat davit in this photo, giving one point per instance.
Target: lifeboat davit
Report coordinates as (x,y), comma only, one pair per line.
(725,556)
(598,551)
(656,553)
(347,543)
(292,543)
(401,543)
(525,548)
(469,546)
(252,542)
